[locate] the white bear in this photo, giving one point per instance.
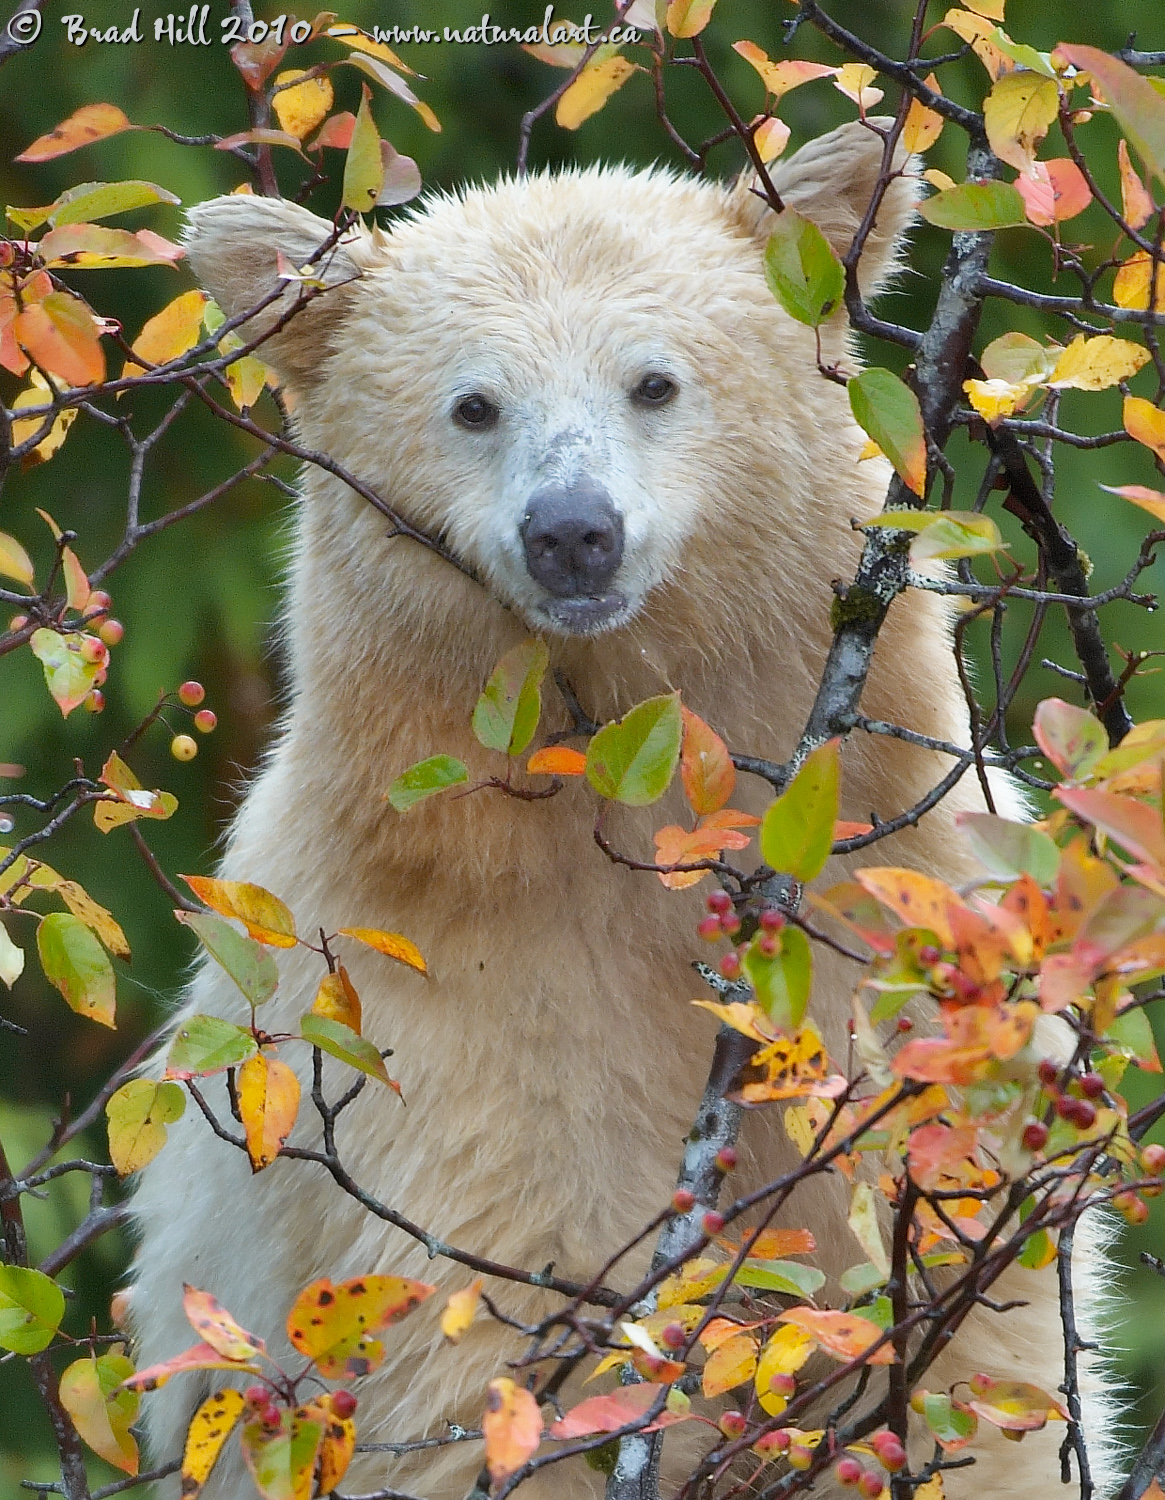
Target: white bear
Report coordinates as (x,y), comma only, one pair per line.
(582,384)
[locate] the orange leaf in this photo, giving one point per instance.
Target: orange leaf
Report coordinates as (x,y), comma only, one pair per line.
(676,846)
(218,1328)
(844,830)
(334,1324)
(917,900)
(63,337)
(1142,421)
(557,760)
(268,1103)
(1056,190)
(780,77)
(775,1244)
(391,944)
(198,1357)
(338,1000)
(1151,500)
(1137,207)
(512,1425)
(842,1335)
(706,767)
(1135,825)
(92,122)
(608,1413)
(730,1364)
(336,131)
(264,916)
(76,580)
(171,332)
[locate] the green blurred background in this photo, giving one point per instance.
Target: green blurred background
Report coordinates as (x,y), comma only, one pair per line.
(199,601)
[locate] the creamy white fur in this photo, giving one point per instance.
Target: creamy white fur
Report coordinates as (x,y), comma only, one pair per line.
(552,1062)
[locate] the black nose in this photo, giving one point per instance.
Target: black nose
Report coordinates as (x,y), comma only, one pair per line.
(573,537)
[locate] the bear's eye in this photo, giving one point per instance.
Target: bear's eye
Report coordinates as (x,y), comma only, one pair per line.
(654,390)
(476,412)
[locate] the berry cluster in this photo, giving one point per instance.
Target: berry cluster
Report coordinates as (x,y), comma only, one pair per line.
(723,921)
(190,695)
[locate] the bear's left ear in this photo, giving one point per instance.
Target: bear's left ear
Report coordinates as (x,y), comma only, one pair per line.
(831,181)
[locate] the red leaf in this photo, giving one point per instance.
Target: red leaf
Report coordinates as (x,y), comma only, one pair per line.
(609,1413)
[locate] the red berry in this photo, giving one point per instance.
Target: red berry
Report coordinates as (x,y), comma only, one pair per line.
(1092,1085)
(1084,1115)
(182,747)
(929,954)
(800,1457)
(905,1024)
(257,1395)
(783,1385)
(1035,1135)
(111,632)
(269,1416)
(1066,1106)
(712,1222)
(683,1201)
(730,924)
(780,1439)
(17,622)
(100,677)
(94,701)
(848,1471)
(94,651)
(1153,1159)
(771,920)
(1136,1213)
(725,1159)
(709,929)
(1048,1072)
(719,902)
(732,1423)
(191,694)
(343,1404)
(1151,1190)
(871,1485)
(730,966)
(672,1336)
(768,945)
(891,1453)
(99,601)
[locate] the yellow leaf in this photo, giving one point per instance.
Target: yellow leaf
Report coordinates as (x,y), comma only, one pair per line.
(730,1364)
(245,379)
(689,17)
(698,1277)
(854,80)
(845,1336)
(780,77)
(264,916)
(938,179)
(513,1428)
(14,560)
(870,449)
(76,580)
(359,42)
(799,1128)
(92,122)
(337,1444)
(1017,113)
(337,999)
(391,944)
(1137,206)
(210,1426)
(460,1311)
(980,33)
(996,399)
(94,916)
(933,1490)
(169,333)
(268,1102)
(1097,363)
(784,1354)
(302,107)
(37,397)
(592,88)
(992,9)
(1130,286)
(138,1114)
(1145,423)
(101,1412)
(334,1323)
(923,126)
(364,165)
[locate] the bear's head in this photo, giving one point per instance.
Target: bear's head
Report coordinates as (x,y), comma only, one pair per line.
(579,381)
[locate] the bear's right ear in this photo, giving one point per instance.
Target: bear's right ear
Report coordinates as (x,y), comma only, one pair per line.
(232,244)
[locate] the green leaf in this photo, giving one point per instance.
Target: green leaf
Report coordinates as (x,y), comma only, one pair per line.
(31,1308)
(634,760)
(281,1460)
(1133,1032)
(76,963)
(1021,53)
(783,982)
(247,962)
(342,1042)
(425,778)
(68,676)
(943,533)
(803,273)
(859,1280)
(796,834)
(364,165)
(880,1312)
(887,409)
(138,1114)
(1009,849)
(1137,105)
(975,206)
(1072,738)
(786,1276)
(207,1044)
(102,1413)
(508,710)
(92,200)
(1039,1250)
(947,1422)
